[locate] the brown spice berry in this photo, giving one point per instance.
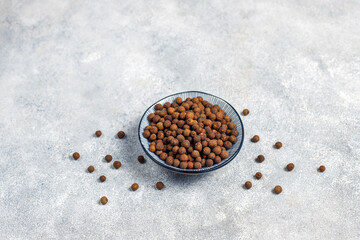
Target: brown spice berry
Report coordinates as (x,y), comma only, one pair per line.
(102,178)
(260,158)
(197,165)
(209,162)
(277,189)
(322,168)
(76,155)
(258,175)
(98,133)
(183,165)
(224,154)
(104,200)
(245,112)
(190,165)
(255,138)
(248,184)
(121,134)
(134,186)
(176,163)
(141,159)
(117,164)
(91,169)
(108,158)
(290,166)
(278,145)
(160,185)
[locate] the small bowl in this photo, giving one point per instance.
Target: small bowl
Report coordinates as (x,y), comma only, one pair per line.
(229,110)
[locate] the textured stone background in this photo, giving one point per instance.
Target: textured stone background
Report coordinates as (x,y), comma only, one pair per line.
(68,68)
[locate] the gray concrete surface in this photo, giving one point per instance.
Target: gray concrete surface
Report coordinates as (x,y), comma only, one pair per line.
(68,68)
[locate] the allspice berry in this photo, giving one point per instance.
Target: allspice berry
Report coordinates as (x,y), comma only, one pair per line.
(160,185)
(277,189)
(104,200)
(102,178)
(278,145)
(141,159)
(98,133)
(108,158)
(290,166)
(258,175)
(121,134)
(322,168)
(117,164)
(260,158)
(76,155)
(91,169)
(255,138)
(245,112)
(248,185)
(135,186)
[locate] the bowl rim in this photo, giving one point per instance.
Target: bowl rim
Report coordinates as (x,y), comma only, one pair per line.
(191,171)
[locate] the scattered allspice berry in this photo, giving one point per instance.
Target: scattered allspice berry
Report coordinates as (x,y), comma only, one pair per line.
(277,189)
(255,138)
(322,168)
(141,159)
(76,155)
(121,134)
(248,185)
(98,133)
(108,158)
(117,164)
(102,178)
(278,145)
(258,175)
(104,200)
(260,158)
(290,166)
(245,112)
(160,185)
(135,186)
(91,169)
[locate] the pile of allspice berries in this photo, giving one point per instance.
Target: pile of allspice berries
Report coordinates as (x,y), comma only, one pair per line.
(190,133)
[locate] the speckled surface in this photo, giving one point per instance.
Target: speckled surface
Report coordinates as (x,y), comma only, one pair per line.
(69,68)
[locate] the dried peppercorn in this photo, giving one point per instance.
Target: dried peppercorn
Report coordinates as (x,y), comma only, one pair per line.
(104,200)
(290,167)
(108,158)
(245,112)
(278,145)
(260,158)
(76,155)
(121,134)
(102,178)
(91,169)
(117,164)
(98,133)
(209,162)
(255,138)
(258,175)
(277,189)
(322,168)
(248,185)
(197,165)
(160,185)
(141,159)
(134,186)
(183,165)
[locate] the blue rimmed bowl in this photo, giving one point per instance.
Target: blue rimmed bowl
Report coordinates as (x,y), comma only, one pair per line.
(229,110)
